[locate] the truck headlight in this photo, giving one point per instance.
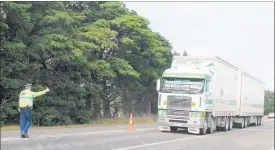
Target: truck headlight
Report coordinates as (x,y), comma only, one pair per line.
(202,114)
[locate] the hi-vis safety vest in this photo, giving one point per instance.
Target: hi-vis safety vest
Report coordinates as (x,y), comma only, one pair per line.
(26,98)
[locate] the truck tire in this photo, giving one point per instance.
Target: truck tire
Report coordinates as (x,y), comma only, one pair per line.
(245,122)
(256,122)
(203,130)
(230,127)
(242,124)
(225,128)
(212,126)
(173,129)
(260,121)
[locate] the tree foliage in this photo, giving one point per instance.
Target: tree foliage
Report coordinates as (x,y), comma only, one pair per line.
(269,102)
(96,57)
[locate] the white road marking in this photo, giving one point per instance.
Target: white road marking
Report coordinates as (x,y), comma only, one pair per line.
(72,134)
(157,143)
(184,139)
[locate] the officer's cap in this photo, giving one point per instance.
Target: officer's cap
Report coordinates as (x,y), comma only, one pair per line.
(28,85)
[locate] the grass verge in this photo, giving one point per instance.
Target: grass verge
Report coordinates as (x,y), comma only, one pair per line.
(96,123)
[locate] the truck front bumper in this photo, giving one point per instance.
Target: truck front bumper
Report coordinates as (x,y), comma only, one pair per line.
(192,123)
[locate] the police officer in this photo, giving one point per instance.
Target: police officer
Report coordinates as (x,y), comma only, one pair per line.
(25,107)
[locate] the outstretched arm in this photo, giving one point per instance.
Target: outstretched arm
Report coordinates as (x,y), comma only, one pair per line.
(36,94)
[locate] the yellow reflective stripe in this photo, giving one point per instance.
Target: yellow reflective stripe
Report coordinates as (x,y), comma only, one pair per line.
(27,97)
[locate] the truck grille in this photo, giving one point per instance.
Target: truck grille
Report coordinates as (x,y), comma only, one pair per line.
(178,114)
(179,102)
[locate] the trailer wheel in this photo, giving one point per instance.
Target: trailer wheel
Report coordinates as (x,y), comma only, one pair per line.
(245,122)
(242,124)
(256,123)
(260,121)
(203,130)
(225,128)
(230,124)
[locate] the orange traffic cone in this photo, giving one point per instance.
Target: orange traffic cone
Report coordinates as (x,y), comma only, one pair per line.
(131,125)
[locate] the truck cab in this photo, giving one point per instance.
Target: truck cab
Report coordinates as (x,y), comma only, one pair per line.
(184,97)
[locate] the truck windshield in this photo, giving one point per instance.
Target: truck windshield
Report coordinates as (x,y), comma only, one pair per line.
(182,85)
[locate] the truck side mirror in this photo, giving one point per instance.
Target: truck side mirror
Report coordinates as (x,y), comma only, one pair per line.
(158,84)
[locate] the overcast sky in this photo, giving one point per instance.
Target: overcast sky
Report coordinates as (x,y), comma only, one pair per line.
(240,33)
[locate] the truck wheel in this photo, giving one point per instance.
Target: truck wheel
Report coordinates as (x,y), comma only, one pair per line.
(260,121)
(203,130)
(212,126)
(257,121)
(245,122)
(230,124)
(173,129)
(242,124)
(225,128)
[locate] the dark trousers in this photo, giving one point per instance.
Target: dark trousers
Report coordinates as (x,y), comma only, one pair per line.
(25,119)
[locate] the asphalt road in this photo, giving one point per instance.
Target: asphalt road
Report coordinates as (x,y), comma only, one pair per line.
(145,137)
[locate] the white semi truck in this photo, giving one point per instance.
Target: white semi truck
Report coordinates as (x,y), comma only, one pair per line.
(203,94)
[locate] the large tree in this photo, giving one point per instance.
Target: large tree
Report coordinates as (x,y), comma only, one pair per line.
(94,56)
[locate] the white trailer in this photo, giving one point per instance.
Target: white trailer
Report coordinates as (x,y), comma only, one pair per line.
(224,94)
(202,94)
(251,101)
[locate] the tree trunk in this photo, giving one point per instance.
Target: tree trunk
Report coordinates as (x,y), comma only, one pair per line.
(89,102)
(139,106)
(106,108)
(148,107)
(127,103)
(147,102)
(96,112)
(154,107)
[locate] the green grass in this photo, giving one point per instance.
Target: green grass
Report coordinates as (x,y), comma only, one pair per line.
(103,122)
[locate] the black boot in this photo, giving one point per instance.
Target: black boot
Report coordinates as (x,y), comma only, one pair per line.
(24,135)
